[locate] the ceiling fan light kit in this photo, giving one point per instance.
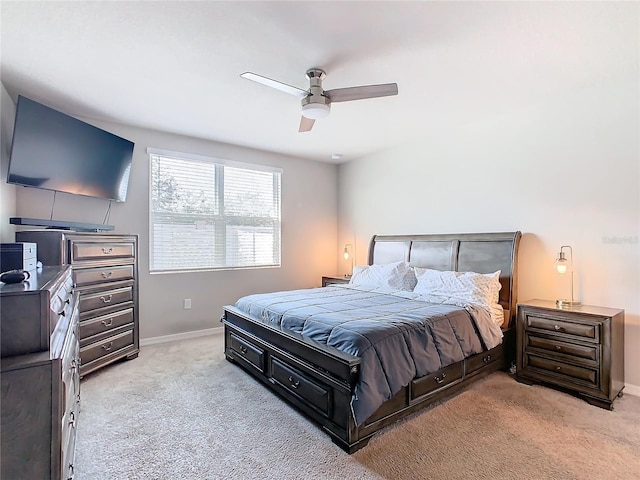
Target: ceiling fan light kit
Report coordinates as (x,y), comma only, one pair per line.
(316,102)
(316,110)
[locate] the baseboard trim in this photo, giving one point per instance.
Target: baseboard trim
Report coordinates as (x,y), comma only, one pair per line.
(181,336)
(632,390)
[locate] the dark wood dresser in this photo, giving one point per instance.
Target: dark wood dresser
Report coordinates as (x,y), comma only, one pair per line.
(105,274)
(40,399)
(577,348)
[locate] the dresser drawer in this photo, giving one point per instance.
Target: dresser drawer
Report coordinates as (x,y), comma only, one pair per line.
(435,381)
(587,352)
(88,276)
(301,385)
(92,301)
(83,251)
(105,323)
(589,331)
(248,351)
(107,346)
(68,457)
(557,368)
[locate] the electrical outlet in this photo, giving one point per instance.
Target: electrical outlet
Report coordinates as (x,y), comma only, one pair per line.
(187,303)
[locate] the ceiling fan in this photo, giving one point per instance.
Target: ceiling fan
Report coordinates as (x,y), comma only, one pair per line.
(316,102)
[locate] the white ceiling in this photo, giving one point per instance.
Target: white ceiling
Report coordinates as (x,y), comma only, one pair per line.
(175,66)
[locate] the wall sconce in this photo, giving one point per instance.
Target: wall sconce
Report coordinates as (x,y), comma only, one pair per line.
(348,254)
(562,265)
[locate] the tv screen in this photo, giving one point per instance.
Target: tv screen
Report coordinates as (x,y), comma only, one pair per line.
(54,151)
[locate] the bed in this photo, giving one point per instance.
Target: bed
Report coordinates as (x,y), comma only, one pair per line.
(313,347)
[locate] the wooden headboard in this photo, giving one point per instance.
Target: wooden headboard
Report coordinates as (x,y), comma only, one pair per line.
(464,252)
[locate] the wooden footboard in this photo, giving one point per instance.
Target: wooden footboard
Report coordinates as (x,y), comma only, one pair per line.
(320,380)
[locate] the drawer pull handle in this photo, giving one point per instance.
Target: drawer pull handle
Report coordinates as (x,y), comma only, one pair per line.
(294,383)
(106,274)
(62,314)
(557,327)
(107,346)
(486,359)
(107,323)
(558,368)
(558,347)
(243,349)
(106,298)
(441,379)
(71,472)
(107,251)
(72,422)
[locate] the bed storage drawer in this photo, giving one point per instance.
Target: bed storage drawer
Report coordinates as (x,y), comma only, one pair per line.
(436,381)
(480,360)
(300,385)
(248,351)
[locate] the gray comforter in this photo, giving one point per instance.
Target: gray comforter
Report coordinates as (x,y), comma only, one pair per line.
(397,336)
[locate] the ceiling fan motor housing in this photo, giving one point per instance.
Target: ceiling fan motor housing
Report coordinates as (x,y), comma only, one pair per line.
(315,105)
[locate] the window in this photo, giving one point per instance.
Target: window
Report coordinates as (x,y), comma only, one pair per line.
(208,214)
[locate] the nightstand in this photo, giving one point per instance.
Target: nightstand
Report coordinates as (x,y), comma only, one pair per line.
(576,348)
(335,279)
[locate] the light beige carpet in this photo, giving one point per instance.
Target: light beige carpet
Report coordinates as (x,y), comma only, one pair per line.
(180,411)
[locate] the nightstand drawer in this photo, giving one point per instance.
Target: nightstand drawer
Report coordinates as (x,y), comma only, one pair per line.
(590,331)
(588,375)
(587,352)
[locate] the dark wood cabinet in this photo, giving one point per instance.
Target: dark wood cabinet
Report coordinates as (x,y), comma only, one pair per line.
(577,348)
(328,280)
(105,275)
(40,394)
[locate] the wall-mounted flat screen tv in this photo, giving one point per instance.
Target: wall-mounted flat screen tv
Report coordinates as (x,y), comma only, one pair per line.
(54,151)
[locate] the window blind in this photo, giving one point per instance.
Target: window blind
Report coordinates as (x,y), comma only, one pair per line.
(207,215)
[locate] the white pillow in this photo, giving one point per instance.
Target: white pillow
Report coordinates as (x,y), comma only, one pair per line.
(398,275)
(481,289)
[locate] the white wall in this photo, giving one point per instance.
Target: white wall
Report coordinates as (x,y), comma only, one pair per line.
(565,171)
(7,192)
(309,232)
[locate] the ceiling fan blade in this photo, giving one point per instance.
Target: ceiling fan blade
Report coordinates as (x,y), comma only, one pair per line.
(283,87)
(362,92)
(306,124)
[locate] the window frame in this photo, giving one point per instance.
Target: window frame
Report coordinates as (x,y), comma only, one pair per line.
(220,234)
